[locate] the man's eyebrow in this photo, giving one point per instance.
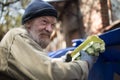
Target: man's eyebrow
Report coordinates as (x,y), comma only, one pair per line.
(42,18)
(46,18)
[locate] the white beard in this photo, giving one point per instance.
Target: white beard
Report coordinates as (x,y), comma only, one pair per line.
(43,42)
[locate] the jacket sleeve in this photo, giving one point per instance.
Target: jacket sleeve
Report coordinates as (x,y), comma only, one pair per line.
(31,61)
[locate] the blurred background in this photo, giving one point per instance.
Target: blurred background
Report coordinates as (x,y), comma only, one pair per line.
(76,18)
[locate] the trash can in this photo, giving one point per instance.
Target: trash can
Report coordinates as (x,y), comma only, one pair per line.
(108,63)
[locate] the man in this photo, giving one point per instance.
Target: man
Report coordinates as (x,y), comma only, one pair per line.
(22,56)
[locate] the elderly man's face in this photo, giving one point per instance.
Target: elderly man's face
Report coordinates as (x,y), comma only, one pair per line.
(40,29)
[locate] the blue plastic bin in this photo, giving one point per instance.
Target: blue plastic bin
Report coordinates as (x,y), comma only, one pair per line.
(108,63)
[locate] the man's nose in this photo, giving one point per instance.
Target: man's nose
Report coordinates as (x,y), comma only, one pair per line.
(49,28)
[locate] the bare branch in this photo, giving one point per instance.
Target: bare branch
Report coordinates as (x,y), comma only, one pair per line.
(7,4)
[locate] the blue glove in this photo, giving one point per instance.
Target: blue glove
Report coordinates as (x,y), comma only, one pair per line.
(89,58)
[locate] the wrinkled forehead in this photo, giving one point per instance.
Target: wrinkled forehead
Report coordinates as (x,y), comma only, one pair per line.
(50,19)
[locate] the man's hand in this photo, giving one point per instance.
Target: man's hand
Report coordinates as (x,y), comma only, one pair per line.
(91,53)
(89,58)
(84,56)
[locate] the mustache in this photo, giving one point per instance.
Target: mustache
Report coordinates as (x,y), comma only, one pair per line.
(44,32)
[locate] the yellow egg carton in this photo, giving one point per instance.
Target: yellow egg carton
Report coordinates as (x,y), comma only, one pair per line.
(83,46)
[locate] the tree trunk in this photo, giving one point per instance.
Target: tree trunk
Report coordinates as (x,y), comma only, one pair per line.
(104,13)
(72,22)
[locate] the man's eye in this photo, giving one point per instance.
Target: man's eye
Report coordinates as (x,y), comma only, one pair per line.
(53,25)
(44,22)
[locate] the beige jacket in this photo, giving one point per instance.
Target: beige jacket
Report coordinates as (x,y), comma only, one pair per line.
(24,59)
